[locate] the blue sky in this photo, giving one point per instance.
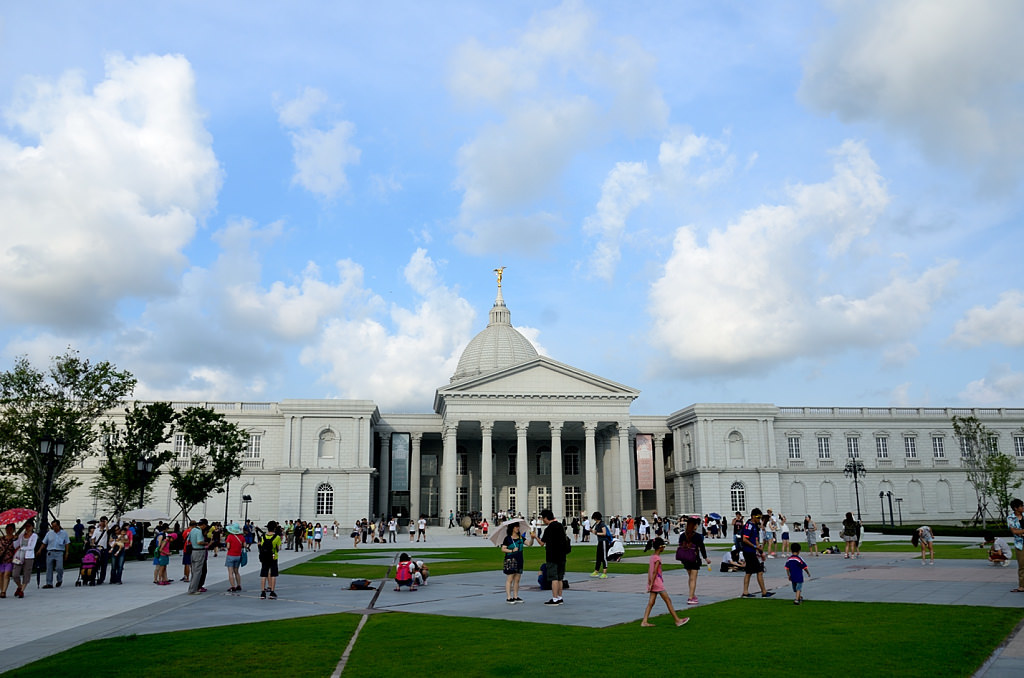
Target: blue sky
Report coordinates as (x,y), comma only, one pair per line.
(787,202)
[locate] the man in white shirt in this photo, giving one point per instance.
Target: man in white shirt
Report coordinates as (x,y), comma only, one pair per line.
(999,551)
(422,528)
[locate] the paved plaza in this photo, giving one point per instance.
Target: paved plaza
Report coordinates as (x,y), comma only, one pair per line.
(54,620)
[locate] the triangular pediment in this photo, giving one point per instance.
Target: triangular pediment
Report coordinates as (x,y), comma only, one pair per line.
(539,377)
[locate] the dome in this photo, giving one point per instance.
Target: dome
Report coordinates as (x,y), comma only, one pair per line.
(498,345)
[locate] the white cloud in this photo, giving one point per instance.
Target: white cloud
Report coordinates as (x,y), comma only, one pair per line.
(949,75)
(899,354)
(752,296)
(1001,386)
(555,96)
(320,155)
(399,361)
(627,187)
(99,209)
(1003,323)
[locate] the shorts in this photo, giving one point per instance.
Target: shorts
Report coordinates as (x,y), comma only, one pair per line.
(691,565)
(849,537)
(186,558)
(785,536)
(161,561)
(233,561)
(798,586)
(768,536)
(751,563)
(555,571)
(268,569)
(6,567)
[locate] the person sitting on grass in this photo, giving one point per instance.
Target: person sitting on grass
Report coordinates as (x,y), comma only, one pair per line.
(999,551)
(405,572)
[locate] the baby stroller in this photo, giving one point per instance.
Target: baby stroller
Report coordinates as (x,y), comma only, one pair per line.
(87,570)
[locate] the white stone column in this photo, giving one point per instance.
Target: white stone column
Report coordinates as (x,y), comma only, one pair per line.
(659,474)
(522,470)
(590,493)
(414,476)
(557,491)
(384,503)
(451,432)
(625,474)
(286,458)
(486,468)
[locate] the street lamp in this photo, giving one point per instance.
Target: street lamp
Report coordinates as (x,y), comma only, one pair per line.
(245,500)
(52,450)
(855,468)
(892,518)
(899,506)
(144,468)
(881,498)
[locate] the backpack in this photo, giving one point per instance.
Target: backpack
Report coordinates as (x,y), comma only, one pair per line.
(687,552)
(403,572)
(267,548)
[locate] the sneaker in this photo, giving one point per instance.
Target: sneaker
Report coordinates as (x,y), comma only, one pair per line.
(47,586)
(767,594)
(796,602)
(518,600)
(263,594)
(60,582)
(604,575)
(692,601)
(748,595)
(595,573)
(510,601)
(273,595)
(682,621)
(202,589)
(552,602)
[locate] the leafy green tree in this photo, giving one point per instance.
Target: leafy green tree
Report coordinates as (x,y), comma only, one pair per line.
(1001,481)
(975,449)
(119,483)
(64,402)
(215,456)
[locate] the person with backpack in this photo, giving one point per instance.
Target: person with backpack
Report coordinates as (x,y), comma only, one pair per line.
(556,547)
(269,546)
(404,573)
(605,537)
(690,552)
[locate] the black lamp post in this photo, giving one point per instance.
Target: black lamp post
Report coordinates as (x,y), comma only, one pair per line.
(52,450)
(881,498)
(245,500)
(892,518)
(899,506)
(855,468)
(144,468)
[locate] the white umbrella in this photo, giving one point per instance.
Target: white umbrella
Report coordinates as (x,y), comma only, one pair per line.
(147,515)
(499,533)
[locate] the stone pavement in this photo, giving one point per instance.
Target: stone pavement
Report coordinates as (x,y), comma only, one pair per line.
(53,620)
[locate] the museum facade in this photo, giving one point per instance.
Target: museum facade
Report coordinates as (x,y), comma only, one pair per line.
(519,431)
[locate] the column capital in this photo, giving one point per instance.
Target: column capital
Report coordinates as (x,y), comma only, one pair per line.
(658,438)
(451,429)
(486,427)
(556,427)
(416,436)
(590,427)
(623,426)
(522,427)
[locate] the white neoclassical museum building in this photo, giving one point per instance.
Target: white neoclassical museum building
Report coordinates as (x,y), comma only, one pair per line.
(517,430)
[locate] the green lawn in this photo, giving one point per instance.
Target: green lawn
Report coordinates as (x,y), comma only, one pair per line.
(885,639)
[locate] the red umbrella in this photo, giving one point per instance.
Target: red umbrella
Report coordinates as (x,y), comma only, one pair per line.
(17,515)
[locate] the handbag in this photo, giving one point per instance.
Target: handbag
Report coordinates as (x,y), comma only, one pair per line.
(511,565)
(245,558)
(18,560)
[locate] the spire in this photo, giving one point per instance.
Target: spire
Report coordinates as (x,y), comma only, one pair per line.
(499,312)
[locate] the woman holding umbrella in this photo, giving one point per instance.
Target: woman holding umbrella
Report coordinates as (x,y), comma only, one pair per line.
(24,558)
(512,547)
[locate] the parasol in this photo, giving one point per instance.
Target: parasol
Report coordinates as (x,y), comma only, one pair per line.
(499,533)
(17,515)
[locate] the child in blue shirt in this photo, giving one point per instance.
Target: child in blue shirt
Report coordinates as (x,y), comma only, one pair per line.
(795,568)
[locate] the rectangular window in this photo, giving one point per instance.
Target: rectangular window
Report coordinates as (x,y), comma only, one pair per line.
(573,501)
(882,447)
(512,457)
(182,448)
(543,498)
(823,448)
(462,499)
(853,448)
(910,446)
(1018,446)
(571,462)
(544,462)
(794,448)
(255,442)
(512,500)
(938,447)
(428,465)
(462,464)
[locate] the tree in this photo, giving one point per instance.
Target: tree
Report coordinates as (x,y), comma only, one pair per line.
(63,402)
(976,445)
(215,456)
(1001,482)
(120,483)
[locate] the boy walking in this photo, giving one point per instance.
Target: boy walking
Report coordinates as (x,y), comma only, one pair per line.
(795,569)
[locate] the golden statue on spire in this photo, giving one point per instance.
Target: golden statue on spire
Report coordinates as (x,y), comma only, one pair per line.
(498,271)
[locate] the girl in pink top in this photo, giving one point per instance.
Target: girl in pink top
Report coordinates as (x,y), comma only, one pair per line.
(656,583)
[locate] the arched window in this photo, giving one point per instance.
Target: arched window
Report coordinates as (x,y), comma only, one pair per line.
(738,494)
(735,445)
(324,499)
(327,443)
